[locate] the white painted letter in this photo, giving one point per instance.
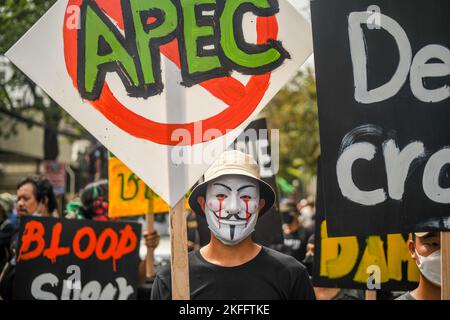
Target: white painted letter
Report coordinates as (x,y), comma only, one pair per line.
(421,69)
(398,164)
(361,150)
(124,290)
(431,177)
(108,293)
(359,58)
(91,291)
(39,281)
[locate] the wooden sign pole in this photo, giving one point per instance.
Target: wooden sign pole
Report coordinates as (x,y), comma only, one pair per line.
(150,267)
(371,295)
(445,265)
(179,253)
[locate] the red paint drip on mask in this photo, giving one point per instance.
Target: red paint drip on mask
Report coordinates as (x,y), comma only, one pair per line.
(220,210)
(247,214)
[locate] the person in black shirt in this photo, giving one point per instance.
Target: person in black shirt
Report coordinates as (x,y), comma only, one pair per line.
(294,233)
(7,229)
(271,275)
(98,162)
(232,266)
(35,197)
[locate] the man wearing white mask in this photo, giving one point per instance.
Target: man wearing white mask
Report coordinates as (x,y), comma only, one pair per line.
(425,248)
(232,266)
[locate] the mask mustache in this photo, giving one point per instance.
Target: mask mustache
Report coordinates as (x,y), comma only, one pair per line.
(229,216)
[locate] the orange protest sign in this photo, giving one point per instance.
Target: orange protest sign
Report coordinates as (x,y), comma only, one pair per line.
(128,194)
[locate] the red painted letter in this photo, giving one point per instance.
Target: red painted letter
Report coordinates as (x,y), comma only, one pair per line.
(34,232)
(55,250)
(89,232)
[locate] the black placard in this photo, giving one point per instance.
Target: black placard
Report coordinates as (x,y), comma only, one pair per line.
(385,149)
(256,141)
(89,261)
(377,262)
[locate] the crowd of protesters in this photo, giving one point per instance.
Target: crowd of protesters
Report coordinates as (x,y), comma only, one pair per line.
(35,197)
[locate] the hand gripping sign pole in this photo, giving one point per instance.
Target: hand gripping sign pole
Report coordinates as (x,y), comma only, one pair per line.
(445,265)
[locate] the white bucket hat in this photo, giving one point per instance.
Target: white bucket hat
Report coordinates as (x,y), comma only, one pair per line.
(421,234)
(233,163)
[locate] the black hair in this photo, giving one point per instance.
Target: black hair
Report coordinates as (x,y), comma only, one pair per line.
(42,188)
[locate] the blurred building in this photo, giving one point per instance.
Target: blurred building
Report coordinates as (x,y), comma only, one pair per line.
(22,152)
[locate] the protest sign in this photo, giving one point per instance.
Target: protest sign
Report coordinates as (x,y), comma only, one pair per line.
(129,195)
(149,88)
(55,172)
(367,263)
(62,259)
(256,141)
(383,89)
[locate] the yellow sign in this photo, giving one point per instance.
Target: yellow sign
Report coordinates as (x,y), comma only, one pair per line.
(129,195)
(340,257)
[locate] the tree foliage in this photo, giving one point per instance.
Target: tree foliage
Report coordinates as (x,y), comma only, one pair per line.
(294,112)
(18,94)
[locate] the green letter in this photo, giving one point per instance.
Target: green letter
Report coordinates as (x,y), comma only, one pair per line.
(133,179)
(149,38)
(194,30)
(102,47)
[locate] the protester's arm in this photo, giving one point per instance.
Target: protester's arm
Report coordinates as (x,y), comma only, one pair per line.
(142,272)
(151,241)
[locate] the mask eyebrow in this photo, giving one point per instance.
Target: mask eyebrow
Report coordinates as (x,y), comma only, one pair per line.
(222,185)
(247,186)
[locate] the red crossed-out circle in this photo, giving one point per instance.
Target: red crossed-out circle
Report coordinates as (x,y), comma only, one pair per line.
(241,100)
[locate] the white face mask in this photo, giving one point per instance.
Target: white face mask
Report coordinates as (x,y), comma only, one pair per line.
(430,267)
(231,209)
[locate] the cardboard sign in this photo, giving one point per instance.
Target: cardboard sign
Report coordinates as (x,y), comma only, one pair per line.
(383,72)
(61,259)
(363,262)
(162,83)
(129,195)
(55,172)
(367,263)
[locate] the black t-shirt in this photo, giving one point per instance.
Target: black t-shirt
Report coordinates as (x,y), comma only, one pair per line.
(271,275)
(7,230)
(296,244)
